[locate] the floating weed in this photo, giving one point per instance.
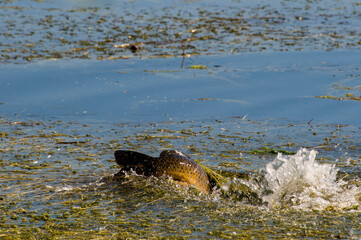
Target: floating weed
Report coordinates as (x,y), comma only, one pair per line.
(56,181)
(267,150)
(168,31)
(352,93)
(348,96)
(213,175)
(198,67)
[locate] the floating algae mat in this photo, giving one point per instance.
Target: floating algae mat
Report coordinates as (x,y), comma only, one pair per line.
(56,181)
(111,30)
(265,95)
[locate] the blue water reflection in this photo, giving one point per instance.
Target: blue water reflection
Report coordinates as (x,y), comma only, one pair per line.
(261,86)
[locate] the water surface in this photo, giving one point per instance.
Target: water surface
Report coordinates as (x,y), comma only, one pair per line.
(231,84)
(261,86)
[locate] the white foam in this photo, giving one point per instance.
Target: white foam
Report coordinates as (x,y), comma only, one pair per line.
(300,182)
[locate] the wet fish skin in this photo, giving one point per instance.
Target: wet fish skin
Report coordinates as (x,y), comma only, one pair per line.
(170,163)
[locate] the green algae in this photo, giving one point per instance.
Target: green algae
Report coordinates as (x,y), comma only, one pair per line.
(346,92)
(267,150)
(57,183)
(64,189)
(186,30)
(198,67)
(347,96)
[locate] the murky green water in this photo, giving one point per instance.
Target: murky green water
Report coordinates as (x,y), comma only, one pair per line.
(228,83)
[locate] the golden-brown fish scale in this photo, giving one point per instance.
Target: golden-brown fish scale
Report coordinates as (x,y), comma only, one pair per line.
(171,163)
(181,168)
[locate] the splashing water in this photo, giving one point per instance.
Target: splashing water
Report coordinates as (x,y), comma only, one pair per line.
(300,182)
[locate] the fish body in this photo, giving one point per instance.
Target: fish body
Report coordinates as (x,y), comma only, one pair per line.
(170,163)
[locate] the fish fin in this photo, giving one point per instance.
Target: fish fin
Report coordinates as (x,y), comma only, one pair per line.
(139,162)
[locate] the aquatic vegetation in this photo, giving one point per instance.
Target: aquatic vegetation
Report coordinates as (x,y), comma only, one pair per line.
(214,176)
(129,30)
(56,181)
(348,95)
(198,67)
(57,170)
(267,150)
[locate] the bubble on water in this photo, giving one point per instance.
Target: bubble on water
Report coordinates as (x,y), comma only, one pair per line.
(300,182)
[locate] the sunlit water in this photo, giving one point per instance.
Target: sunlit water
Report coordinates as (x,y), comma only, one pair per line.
(296,182)
(58,174)
(228,83)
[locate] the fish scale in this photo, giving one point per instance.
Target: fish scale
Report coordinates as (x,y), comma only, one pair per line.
(170,163)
